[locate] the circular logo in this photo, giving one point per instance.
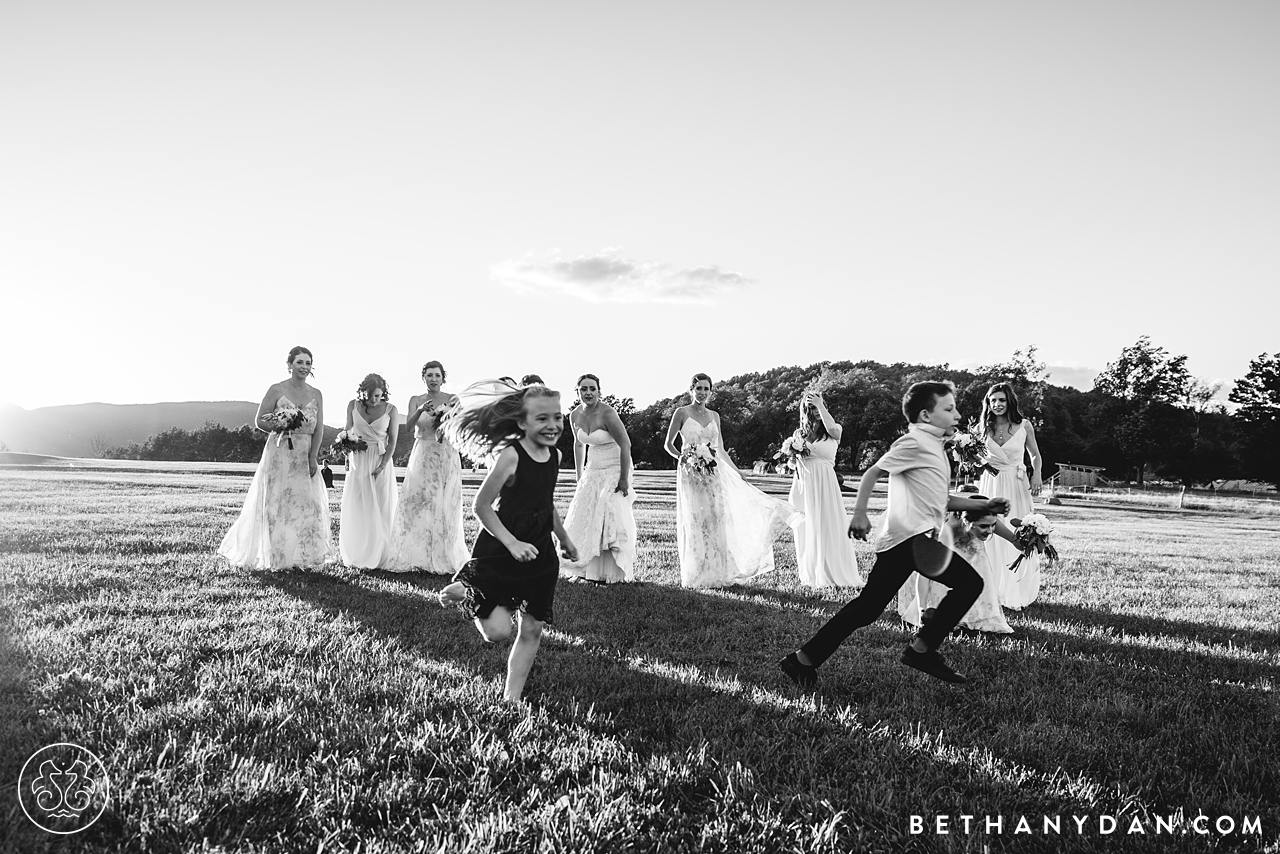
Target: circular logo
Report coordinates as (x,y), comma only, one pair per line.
(63,788)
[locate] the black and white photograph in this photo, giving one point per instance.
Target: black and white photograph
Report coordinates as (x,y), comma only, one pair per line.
(639,427)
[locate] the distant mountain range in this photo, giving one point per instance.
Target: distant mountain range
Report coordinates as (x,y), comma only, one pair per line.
(85,429)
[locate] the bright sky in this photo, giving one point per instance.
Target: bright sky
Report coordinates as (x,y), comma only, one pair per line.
(638,190)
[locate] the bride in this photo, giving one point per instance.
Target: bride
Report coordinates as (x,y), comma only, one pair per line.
(725,527)
(600,520)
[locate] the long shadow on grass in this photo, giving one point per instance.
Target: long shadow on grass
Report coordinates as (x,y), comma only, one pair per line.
(1239,650)
(671,669)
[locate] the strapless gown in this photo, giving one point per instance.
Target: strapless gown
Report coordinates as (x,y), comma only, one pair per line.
(725,527)
(600,521)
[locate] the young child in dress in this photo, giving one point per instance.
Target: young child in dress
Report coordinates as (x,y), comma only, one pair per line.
(966,532)
(514,566)
(919,478)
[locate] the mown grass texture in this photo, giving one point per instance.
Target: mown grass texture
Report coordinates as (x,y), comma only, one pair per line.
(338,710)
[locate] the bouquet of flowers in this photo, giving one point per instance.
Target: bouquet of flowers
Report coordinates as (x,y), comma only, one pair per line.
(437,412)
(1033,536)
(969,450)
(793,447)
(344,443)
(284,423)
(698,459)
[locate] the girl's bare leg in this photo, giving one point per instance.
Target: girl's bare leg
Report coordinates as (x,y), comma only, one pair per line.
(452,594)
(523,651)
(496,626)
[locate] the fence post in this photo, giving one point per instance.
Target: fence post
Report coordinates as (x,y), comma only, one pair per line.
(1182,497)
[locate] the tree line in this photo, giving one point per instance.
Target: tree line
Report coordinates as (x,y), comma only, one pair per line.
(1146,416)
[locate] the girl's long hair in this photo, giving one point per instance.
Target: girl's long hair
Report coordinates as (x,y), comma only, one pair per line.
(487,414)
(1011,408)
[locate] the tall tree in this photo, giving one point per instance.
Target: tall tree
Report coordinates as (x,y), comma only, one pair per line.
(1145,385)
(1258,394)
(1145,373)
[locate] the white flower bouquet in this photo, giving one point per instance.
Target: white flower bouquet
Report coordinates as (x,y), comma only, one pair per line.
(969,450)
(793,448)
(344,443)
(283,423)
(1033,536)
(699,459)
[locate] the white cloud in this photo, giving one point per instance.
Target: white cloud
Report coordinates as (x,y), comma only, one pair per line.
(607,276)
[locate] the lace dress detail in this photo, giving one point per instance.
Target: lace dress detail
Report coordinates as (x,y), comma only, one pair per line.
(368,502)
(824,553)
(426,533)
(285,519)
(985,615)
(725,527)
(1019,588)
(600,521)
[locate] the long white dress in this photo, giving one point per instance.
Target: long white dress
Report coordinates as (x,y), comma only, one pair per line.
(368,502)
(426,530)
(1019,588)
(824,552)
(725,527)
(984,615)
(285,519)
(600,521)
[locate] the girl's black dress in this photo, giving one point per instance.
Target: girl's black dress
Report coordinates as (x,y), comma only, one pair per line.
(526,506)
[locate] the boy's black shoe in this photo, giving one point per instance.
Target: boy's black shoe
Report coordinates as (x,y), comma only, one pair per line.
(931,663)
(804,675)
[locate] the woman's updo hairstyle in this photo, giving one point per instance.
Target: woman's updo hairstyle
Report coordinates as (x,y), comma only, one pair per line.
(699,376)
(368,384)
(434,364)
(293,354)
(974,515)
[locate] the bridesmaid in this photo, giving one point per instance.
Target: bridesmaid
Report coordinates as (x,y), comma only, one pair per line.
(725,527)
(824,552)
(426,532)
(600,520)
(971,534)
(1009,439)
(285,519)
(369,492)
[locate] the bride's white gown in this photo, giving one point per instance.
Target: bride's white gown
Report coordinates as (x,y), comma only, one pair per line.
(368,502)
(285,519)
(600,521)
(725,527)
(1019,588)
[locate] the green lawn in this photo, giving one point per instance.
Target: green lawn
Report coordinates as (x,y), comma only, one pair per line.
(340,711)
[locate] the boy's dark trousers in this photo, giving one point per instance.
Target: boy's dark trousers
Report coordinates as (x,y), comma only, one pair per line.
(924,554)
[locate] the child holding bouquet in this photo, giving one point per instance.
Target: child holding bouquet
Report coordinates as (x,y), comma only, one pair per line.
(513,567)
(919,478)
(725,527)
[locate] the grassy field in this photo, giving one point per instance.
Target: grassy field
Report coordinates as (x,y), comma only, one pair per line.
(347,711)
